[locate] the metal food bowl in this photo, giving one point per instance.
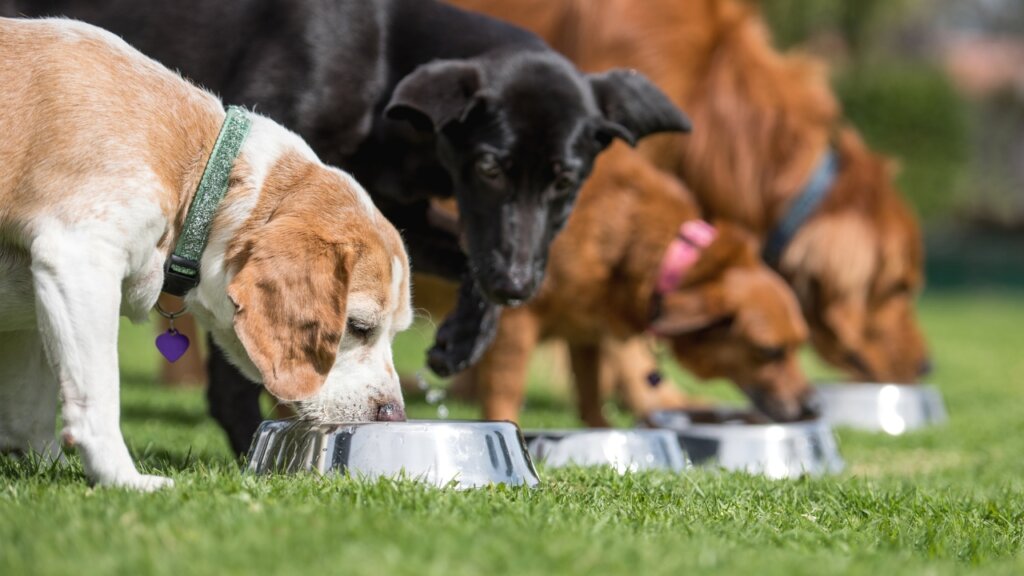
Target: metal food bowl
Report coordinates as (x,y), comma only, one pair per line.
(624,450)
(745,441)
(890,408)
(449,453)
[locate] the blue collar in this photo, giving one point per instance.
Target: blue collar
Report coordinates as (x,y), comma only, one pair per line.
(802,208)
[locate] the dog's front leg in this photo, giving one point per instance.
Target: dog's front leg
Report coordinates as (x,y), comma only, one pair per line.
(466,333)
(78,296)
(586,367)
(503,369)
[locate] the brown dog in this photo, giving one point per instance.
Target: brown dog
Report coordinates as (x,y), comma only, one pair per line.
(763,122)
(726,315)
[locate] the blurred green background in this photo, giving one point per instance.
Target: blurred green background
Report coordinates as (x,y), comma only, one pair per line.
(932,83)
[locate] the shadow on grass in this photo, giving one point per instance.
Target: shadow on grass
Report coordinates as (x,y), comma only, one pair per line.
(19,469)
(137,378)
(156,459)
(181,415)
(149,460)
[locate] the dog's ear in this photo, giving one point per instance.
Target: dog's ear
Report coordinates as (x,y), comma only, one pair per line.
(291,307)
(633,107)
(435,94)
(687,311)
(832,262)
(703,300)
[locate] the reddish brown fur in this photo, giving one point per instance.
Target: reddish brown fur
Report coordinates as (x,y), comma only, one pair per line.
(598,289)
(761,121)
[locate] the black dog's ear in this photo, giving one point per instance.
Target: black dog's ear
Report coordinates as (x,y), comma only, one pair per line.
(631,102)
(606,131)
(435,94)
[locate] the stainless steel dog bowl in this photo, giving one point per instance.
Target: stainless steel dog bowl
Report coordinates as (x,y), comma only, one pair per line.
(890,408)
(449,453)
(624,450)
(744,441)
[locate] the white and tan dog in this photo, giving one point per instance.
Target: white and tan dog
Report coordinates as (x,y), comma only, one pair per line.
(303,282)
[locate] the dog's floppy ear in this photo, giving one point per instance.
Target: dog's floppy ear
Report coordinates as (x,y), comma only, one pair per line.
(435,94)
(687,311)
(633,107)
(702,300)
(291,307)
(832,262)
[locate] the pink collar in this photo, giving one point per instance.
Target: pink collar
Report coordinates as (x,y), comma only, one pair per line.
(684,251)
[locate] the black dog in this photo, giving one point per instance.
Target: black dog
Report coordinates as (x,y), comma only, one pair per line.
(418,100)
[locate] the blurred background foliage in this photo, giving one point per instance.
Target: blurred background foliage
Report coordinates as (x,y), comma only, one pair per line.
(939,86)
(891,90)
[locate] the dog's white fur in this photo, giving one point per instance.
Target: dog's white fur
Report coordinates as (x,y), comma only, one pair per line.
(83,241)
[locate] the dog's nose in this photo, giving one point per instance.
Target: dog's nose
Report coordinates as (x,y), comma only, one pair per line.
(783,408)
(511,285)
(924,368)
(390,412)
(810,405)
(512,289)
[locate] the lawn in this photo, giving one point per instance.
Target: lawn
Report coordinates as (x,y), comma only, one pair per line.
(946,500)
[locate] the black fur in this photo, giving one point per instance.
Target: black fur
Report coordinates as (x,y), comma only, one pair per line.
(475,108)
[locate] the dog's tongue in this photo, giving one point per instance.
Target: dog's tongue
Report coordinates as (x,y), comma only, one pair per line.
(172,344)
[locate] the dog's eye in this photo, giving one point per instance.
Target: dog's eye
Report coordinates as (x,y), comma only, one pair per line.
(359,329)
(488,168)
(771,353)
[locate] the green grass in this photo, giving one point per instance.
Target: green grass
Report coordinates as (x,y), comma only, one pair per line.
(941,501)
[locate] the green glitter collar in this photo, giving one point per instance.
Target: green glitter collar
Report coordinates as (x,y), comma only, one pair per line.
(181,272)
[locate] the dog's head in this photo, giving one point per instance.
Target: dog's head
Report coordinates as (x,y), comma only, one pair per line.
(732,317)
(858,269)
(319,283)
(518,133)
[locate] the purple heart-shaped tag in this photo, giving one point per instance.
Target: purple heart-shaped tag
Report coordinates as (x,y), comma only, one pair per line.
(172,344)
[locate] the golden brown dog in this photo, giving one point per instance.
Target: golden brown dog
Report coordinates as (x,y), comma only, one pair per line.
(763,121)
(728,315)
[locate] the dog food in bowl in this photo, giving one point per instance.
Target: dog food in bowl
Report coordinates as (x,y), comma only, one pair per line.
(745,441)
(623,450)
(890,408)
(461,454)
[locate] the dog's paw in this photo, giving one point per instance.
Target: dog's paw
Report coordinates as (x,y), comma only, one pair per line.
(143,483)
(466,333)
(446,359)
(459,344)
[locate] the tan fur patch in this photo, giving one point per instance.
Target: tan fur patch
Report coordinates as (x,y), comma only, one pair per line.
(72,116)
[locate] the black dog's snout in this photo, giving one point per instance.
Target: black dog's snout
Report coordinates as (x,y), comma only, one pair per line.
(512,293)
(390,412)
(513,286)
